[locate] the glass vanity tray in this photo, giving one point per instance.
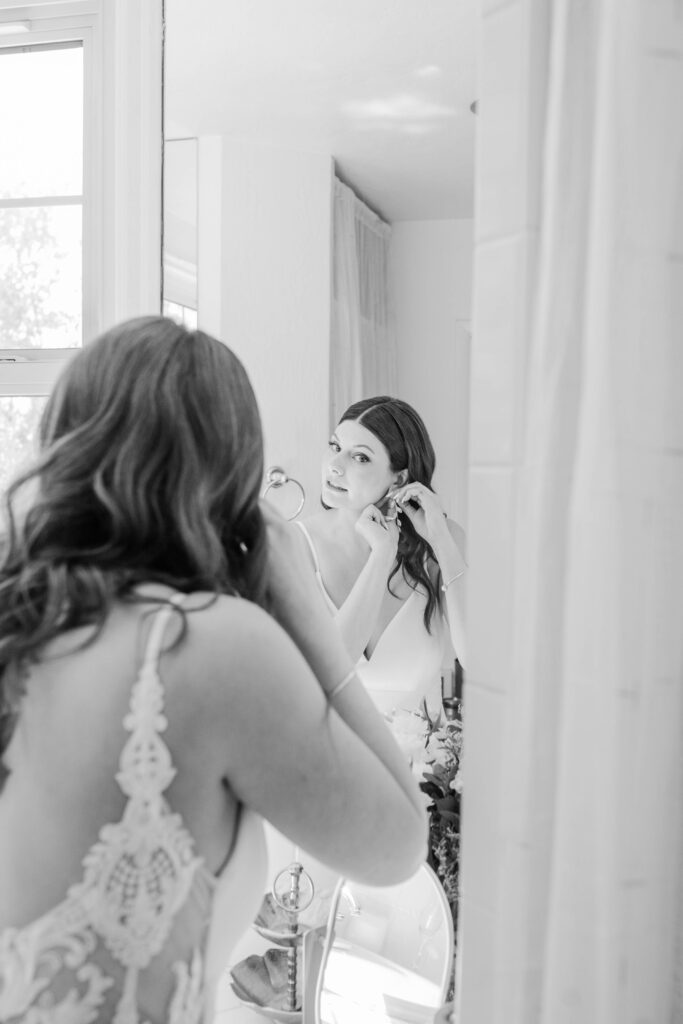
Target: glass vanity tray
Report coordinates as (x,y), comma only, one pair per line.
(260,982)
(274,924)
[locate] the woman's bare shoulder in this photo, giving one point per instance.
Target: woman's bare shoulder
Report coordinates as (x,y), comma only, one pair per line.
(319,524)
(232,650)
(321,533)
(232,636)
(222,622)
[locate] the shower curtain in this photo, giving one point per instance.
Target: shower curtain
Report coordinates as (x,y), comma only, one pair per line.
(589,926)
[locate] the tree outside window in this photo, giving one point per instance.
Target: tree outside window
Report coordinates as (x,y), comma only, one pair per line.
(41,213)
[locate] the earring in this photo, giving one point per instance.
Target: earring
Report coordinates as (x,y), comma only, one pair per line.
(392,511)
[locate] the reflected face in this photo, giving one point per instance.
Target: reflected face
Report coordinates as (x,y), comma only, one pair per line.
(356,471)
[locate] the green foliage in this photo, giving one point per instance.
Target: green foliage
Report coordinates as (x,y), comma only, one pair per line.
(441,784)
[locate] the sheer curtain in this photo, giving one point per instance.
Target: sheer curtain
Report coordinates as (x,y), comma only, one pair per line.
(589,929)
(362,343)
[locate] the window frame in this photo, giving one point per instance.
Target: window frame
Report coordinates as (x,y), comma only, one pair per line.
(122,153)
(34,371)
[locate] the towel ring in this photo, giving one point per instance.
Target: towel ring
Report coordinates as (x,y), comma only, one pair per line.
(276,477)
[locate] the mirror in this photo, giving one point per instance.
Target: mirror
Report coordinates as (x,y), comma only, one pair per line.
(388,953)
(363,954)
(261,979)
(278,100)
(266,105)
(179,270)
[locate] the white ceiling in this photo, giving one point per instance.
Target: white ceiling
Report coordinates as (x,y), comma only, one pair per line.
(383,86)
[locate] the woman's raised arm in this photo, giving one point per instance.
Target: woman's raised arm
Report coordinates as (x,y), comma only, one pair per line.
(326,772)
(447,540)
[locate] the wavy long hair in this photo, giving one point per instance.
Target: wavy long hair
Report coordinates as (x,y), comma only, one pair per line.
(149,468)
(402,432)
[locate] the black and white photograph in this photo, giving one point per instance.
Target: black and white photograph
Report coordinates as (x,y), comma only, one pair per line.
(341,511)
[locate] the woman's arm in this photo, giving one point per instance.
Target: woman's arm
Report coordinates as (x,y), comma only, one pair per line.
(449,552)
(447,540)
(322,767)
(298,607)
(329,775)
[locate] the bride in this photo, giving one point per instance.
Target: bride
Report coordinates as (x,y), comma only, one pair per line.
(152,711)
(388,561)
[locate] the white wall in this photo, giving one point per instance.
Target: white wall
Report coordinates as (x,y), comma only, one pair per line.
(511,95)
(264,288)
(128,111)
(270,291)
(431,283)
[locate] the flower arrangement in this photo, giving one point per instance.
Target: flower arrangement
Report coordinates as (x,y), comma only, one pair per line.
(442,783)
(434,748)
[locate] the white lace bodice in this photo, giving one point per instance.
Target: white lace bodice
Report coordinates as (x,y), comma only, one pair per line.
(138,915)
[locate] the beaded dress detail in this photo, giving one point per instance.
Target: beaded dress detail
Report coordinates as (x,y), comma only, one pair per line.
(135,924)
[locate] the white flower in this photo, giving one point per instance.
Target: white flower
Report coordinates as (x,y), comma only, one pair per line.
(410,722)
(410,732)
(420,766)
(433,748)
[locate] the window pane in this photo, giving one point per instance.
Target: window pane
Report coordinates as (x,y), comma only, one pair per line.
(184,315)
(40,277)
(41,112)
(19,418)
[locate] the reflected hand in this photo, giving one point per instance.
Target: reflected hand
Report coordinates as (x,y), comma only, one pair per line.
(424,509)
(380,533)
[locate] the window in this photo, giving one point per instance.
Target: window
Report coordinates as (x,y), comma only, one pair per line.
(41,197)
(42,258)
(80,188)
(19,417)
(185,315)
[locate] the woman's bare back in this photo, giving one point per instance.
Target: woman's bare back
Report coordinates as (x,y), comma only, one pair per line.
(64,755)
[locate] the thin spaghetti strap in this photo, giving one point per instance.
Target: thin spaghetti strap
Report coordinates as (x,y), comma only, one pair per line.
(145,766)
(153,645)
(156,634)
(311,545)
(318,575)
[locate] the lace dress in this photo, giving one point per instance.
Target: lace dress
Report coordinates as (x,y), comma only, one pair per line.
(127,944)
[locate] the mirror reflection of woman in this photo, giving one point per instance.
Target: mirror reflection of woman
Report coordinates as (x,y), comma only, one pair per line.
(389,562)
